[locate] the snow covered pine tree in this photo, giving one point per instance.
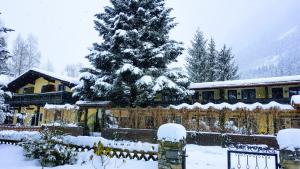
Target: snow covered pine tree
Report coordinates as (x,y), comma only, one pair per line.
(196,61)
(3,69)
(212,62)
(130,65)
(227,69)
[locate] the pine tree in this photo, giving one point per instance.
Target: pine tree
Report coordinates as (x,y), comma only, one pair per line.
(129,67)
(227,70)
(211,62)
(196,61)
(4,55)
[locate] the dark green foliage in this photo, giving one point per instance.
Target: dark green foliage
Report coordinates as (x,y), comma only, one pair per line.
(197,58)
(206,64)
(48,150)
(227,70)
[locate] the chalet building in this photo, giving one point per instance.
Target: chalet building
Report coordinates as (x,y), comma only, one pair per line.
(262,90)
(35,88)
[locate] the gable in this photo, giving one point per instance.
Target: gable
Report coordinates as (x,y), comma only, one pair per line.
(33,76)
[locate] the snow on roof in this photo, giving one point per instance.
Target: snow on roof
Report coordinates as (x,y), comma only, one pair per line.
(295,99)
(60,107)
(51,74)
(171,132)
(81,103)
(238,105)
(247,82)
(289,139)
(57,76)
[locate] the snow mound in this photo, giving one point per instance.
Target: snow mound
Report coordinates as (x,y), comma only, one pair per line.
(171,132)
(16,135)
(295,99)
(289,139)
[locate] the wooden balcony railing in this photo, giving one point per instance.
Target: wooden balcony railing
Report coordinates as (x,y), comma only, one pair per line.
(41,99)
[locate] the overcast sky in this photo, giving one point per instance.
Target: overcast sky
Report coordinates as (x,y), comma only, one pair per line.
(64,28)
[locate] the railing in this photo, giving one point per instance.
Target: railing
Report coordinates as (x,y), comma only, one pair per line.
(246,156)
(101,150)
(41,98)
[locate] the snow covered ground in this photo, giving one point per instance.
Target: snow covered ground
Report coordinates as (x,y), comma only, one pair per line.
(199,157)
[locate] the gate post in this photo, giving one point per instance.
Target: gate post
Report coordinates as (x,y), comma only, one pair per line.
(171,146)
(289,144)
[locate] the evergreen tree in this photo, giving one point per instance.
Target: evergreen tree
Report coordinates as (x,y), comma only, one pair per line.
(196,61)
(4,55)
(129,67)
(211,62)
(227,70)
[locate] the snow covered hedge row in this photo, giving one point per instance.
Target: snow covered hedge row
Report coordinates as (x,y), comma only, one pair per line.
(82,141)
(238,105)
(18,135)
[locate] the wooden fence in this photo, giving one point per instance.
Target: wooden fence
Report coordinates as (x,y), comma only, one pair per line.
(257,121)
(102,150)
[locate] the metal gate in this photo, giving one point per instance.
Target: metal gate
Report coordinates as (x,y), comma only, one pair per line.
(251,157)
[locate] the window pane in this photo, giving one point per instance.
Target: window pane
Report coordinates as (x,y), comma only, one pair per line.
(248,94)
(294,91)
(232,95)
(28,90)
(277,93)
(208,96)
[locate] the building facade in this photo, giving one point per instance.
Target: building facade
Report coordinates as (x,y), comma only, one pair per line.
(35,88)
(263,90)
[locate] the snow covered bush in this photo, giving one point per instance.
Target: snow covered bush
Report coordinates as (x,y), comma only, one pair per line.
(48,150)
(129,66)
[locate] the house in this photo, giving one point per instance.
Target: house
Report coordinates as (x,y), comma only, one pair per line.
(262,90)
(35,88)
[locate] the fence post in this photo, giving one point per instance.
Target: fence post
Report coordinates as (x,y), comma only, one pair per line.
(289,153)
(171,146)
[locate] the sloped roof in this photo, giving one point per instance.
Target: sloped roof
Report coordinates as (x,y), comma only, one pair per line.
(32,74)
(247,82)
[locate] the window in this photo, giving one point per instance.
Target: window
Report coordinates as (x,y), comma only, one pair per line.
(294,91)
(277,93)
(232,94)
(208,96)
(248,94)
(28,90)
(48,88)
(196,96)
(61,87)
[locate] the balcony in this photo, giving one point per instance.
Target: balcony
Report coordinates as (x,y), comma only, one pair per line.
(41,99)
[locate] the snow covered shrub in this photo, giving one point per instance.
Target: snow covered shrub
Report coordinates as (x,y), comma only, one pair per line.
(48,150)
